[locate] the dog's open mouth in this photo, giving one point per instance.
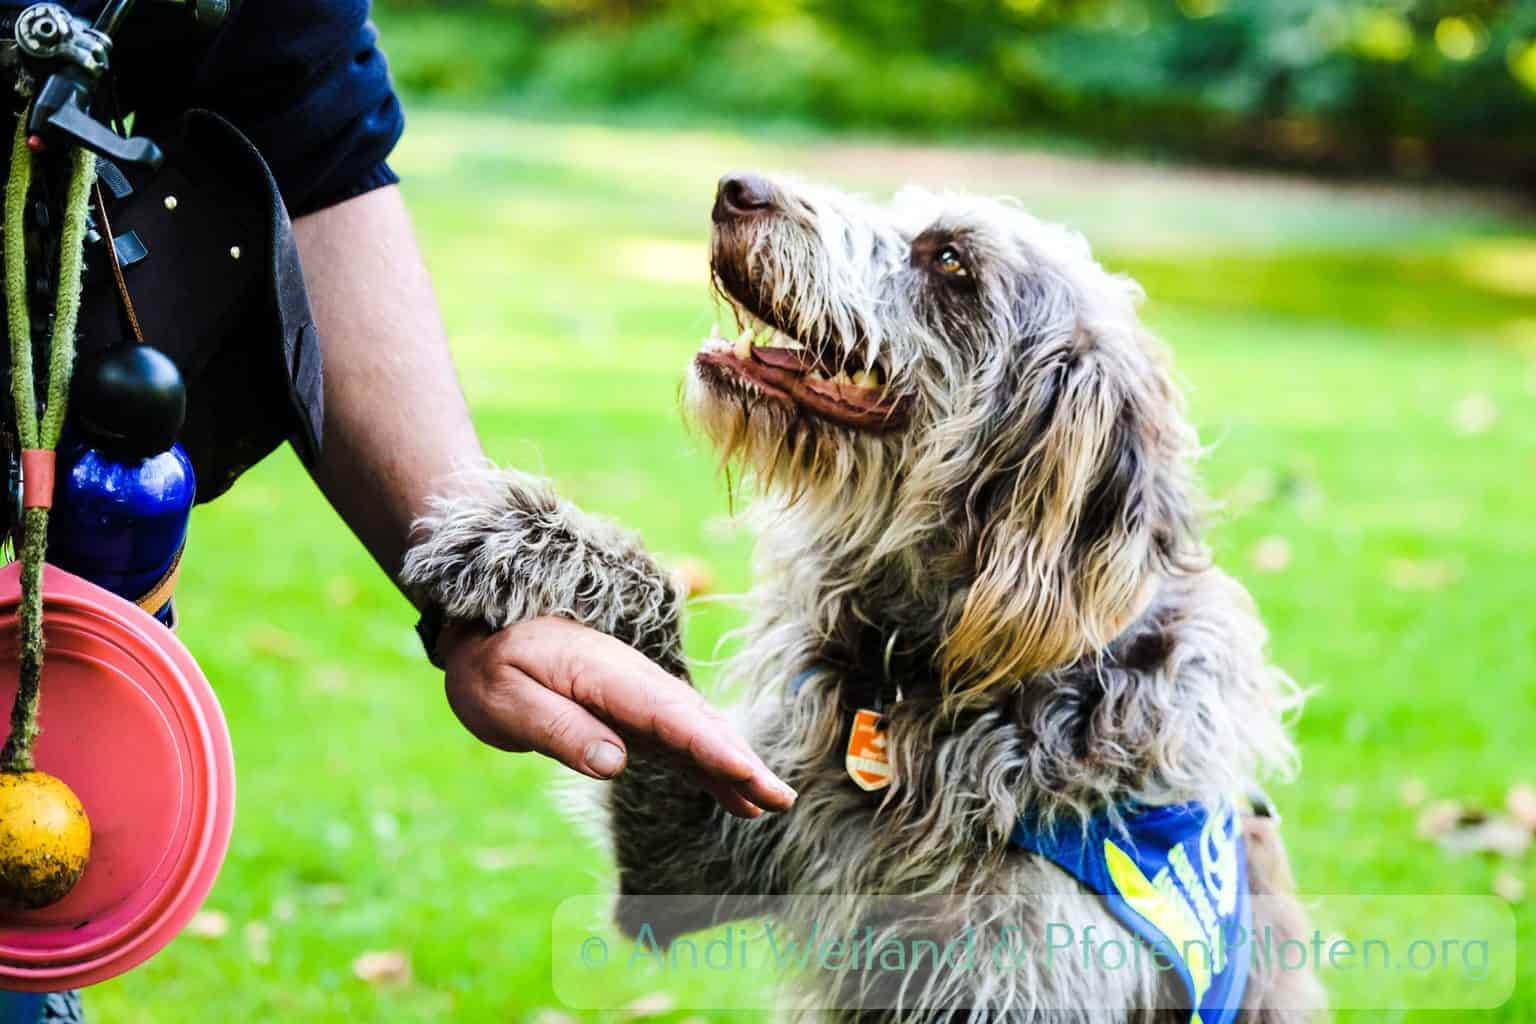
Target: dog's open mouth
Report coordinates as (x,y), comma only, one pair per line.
(767,361)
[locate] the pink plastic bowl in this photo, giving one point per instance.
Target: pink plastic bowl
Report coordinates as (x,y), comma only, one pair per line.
(131,725)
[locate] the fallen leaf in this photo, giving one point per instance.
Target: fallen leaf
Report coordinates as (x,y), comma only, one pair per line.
(1499,835)
(208,924)
(258,942)
(653,1005)
(548,1016)
(1521,805)
(1408,574)
(499,859)
(341,591)
(1439,818)
(383,969)
(1412,792)
(271,642)
(1474,414)
(694,576)
(1271,554)
(1509,887)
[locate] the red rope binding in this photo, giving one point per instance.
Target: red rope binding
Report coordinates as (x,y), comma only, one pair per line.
(37,477)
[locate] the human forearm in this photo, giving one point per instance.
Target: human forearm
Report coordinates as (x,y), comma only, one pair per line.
(396,425)
(398,434)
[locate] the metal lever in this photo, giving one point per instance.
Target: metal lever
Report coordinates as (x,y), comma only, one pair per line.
(74,55)
(56,111)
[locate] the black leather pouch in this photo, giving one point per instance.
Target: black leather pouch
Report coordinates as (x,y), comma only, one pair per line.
(213,271)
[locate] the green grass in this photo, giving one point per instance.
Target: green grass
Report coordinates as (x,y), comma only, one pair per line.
(1328,337)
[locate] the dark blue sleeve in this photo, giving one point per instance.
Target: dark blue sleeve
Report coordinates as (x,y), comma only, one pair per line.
(306,82)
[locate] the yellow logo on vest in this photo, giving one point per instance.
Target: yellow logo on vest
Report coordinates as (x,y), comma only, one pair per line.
(1184,902)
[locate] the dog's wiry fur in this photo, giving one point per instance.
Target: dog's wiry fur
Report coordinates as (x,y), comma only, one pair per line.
(504,549)
(1021,560)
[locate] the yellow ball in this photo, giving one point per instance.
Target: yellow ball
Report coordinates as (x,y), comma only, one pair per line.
(45,839)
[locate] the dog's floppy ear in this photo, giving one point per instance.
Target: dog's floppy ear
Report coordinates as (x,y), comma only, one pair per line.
(1083,494)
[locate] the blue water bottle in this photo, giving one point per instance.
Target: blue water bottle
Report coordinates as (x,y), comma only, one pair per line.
(123,489)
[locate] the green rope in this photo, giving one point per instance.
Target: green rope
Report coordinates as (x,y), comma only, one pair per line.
(18,316)
(17,753)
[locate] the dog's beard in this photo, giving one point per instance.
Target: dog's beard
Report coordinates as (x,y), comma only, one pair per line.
(828,493)
(781,447)
(801,409)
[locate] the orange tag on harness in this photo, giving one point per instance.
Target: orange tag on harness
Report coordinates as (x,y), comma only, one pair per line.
(868,760)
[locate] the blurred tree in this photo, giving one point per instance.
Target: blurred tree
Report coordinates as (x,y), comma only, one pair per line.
(1412,87)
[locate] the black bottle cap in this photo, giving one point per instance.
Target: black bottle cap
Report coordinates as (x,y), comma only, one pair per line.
(129,401)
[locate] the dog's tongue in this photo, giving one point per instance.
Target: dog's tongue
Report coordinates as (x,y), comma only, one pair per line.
(792,360)
(855,406)
(784,373)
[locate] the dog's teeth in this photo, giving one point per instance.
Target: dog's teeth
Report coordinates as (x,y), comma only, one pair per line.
(841,378)
(816,375)
(866,379)
(744,345)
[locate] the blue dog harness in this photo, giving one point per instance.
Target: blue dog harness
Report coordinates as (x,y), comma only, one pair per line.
(1177,877)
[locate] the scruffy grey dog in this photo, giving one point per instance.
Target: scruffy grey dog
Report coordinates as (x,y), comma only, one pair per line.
(979,514)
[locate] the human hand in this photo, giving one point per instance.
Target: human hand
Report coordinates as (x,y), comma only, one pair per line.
(581,697)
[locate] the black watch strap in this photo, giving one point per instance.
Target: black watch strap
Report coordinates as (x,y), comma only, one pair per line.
(430,628)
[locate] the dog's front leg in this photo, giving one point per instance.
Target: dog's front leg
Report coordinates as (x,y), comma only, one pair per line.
(684,863)
(507,550)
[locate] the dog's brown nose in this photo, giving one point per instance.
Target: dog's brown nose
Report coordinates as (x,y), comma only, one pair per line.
(742,195)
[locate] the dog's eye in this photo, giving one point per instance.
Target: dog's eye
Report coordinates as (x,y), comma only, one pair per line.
(948,261)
